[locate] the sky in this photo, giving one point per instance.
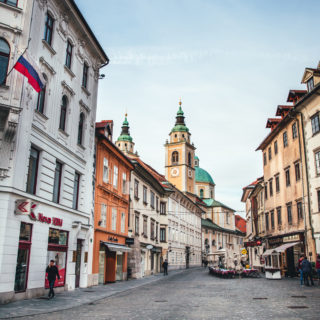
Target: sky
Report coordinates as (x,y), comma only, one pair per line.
(230,61)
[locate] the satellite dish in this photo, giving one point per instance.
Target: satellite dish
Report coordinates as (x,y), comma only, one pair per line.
(149,246)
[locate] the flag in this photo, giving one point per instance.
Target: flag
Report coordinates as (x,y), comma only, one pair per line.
(29,69)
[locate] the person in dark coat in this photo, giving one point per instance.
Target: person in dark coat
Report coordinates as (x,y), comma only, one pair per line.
(165,267)
(53,273)
(307,271)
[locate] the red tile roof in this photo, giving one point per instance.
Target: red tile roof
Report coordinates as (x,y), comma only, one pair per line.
(296,94)
(282,108)
(103,123)
(241,223)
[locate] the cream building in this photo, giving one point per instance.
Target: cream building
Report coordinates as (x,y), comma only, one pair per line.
(46,147)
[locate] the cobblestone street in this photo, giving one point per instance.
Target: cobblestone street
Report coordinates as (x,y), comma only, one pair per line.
(194,294)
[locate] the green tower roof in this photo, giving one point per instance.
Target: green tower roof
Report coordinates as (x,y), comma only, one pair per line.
(125,134)
(180,124)
(203,176)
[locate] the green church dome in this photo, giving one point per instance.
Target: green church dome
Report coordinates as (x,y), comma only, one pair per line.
(125,134)
(203,176)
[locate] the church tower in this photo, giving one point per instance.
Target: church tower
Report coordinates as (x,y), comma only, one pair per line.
(179,162)
(124,142)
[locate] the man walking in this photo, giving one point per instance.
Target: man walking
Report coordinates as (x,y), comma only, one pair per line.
(300,269)
(165,267)
(307,271)
(53,273)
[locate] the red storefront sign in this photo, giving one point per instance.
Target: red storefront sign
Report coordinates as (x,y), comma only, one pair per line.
(42,218)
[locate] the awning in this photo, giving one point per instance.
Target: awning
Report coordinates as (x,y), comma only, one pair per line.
(279,249)
(116,247)
(156,249)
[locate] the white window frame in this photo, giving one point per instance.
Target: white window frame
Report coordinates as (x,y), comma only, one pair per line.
(105,170)
(115,176)
(114,219)
(103,215)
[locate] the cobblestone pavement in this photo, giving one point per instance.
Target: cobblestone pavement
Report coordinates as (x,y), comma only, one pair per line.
(194,294)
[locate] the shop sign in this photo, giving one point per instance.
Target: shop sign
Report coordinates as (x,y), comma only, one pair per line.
(294,237)
(110,238)
(24,206)
(244,251)
(129,241)
(54,221)
(275,240)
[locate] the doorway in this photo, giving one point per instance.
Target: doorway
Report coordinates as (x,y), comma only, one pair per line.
(78,263)
(142,264)
(119,274)
(20,283)
(290,262)
(102,259)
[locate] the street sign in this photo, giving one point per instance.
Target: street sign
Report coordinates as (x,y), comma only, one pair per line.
(23,206)
(244,251)
(149,246)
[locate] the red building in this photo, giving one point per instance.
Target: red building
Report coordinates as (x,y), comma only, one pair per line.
(111,208)
(241,224)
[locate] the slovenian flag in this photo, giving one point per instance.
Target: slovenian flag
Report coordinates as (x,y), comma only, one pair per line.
(28,68)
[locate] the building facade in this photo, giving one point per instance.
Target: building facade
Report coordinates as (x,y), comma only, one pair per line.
(46,154)
(113,171)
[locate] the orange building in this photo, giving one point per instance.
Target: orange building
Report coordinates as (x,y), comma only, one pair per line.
(113,170)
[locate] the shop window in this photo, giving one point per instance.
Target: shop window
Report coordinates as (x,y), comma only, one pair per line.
(33,171)
(48,29)
(22,267)
(57,251)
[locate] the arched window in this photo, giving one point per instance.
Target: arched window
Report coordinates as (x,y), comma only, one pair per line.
(4,60)
(41,96)
(189,159)
(80,128)
(175,157)
(201,193)
(63,113)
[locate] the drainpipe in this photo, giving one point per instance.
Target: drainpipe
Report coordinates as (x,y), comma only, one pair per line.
(307,181)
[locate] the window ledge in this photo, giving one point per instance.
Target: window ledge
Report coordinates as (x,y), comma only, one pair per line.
(10,7)
(81,146)
(48,46)
(86,91)
(63,132)
(144,202)
(136,198)
(69,71)
(314,134)
(42,115)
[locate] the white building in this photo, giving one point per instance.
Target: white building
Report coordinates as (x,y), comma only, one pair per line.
(46,147)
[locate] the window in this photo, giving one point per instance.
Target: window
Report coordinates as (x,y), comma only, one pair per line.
(136,223)
(145,194)
(277,183)
(289,212)
(299,210)
(124,183)
(270,188)
(57,182)
(275,147)
(266,190)
(201,193)
(41,99)
(162,234)
(4,60)
(152,199)
(288,177)
(145,226)
(115,176)
(318,194)
(123,222)
(297,171)
(285,139)
(310,84)
(294,131)
(157,204)
(68,54)
(269,153)
(80,129)
(114,219)
(272,218)
(152,229)
(48,29)
(189,159)
(315,124)
(175,157)
(105,170)
(267,221)
(33,171)
(264,158)
(279,216)
(76,187)
(103,216)
(162,207)
(85,75)
(63,113)
(317,159)
(136,189)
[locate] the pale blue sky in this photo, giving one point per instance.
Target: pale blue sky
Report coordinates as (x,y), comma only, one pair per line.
(231,61)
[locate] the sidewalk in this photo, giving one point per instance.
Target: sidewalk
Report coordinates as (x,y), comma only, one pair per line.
(71,299)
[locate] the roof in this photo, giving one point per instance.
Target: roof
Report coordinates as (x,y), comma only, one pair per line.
(75,7)
(246,191)
(215,203)
(281,109)
(203,176)
(295,94)
(103,123)
(241,223)
(272,121)
(207,223)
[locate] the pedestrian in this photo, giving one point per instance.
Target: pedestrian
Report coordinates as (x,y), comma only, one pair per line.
(318,268)
(53,273)
(307,271)
(165,267)
(205,264)
(300,269)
